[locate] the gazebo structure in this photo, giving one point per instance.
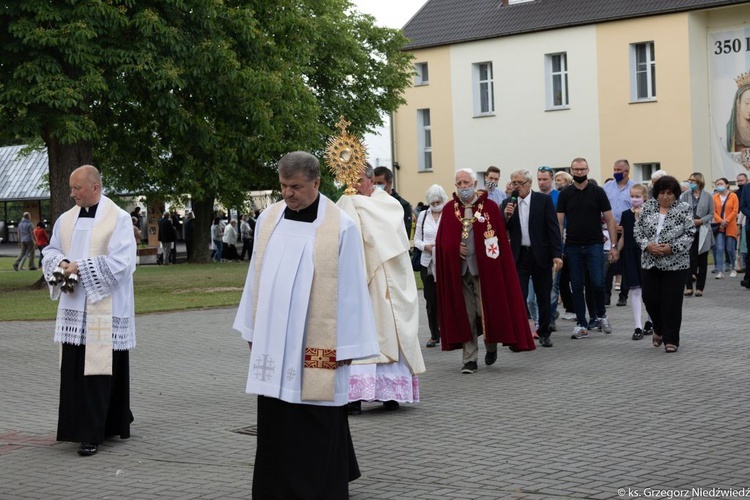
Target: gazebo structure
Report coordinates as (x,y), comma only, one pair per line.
(23,188)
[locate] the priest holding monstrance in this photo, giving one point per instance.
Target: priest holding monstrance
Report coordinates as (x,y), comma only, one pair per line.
(392,377)
(306,314)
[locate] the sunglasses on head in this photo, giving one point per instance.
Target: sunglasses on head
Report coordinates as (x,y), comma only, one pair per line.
(545,169)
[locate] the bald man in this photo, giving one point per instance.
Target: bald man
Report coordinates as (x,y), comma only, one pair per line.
(93,242)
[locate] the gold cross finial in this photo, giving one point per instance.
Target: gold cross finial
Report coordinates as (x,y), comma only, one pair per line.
(343,124)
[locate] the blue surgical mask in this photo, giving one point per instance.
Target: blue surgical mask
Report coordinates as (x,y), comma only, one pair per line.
(693,186)
(381,186)
(720,189)
(466,194)
(618,176)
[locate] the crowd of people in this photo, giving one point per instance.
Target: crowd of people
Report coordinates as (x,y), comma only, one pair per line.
(329,308)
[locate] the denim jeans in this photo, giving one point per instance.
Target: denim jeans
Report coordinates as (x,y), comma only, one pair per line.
(219,247)
(728,244)
(582,258)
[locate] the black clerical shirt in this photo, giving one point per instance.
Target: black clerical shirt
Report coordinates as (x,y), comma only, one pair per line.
(89,212)
(308,214)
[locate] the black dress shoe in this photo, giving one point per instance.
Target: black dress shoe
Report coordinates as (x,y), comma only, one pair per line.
(88,449)
(354,408)
(390,405)
(622,302)
(490,358)
(545,342)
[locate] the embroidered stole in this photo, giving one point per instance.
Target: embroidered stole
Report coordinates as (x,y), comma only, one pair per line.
(319,367)
(98,327)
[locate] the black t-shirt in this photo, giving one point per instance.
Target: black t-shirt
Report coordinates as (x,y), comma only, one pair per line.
(583,209)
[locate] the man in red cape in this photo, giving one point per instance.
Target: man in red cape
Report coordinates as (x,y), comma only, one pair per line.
(478,289)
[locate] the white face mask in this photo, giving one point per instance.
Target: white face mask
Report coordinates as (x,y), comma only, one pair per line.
(438,208)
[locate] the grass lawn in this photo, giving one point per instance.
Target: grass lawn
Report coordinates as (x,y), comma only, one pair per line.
(157,289)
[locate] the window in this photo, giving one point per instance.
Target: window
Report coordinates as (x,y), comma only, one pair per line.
(644,171)
(424,138)
(643,74)
(484,92)
(557,80)
(423,74)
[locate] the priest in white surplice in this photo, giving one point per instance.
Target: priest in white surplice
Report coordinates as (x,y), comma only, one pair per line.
(392,377)
(306,314)
(96,322)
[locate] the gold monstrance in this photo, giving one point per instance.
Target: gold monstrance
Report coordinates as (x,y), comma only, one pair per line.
(346,156)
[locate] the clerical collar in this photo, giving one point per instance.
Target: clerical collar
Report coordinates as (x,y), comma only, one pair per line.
(89,212)
(308,214)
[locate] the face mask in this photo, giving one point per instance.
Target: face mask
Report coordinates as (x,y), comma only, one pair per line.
(381,186)
(491,185)
(720,189)
(580,178)
(466,194)
(438,208)
(618,176)
(636,202)
(693,186)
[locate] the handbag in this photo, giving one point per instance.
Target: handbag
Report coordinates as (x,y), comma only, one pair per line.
(416,254)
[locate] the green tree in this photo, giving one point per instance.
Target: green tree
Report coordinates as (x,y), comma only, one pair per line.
(198,98)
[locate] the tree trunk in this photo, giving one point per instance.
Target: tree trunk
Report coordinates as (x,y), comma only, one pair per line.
(204,217)
(63,159)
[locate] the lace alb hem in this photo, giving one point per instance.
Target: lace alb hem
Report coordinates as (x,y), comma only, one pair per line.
(404,389)
(70,329)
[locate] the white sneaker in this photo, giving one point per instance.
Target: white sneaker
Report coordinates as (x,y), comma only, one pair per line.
(580,332)
(733,274)
(568,316)
(605,326)
(720,276)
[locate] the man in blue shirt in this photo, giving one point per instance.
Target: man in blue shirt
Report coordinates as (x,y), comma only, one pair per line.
(618,194)
(491,182)
(27,242)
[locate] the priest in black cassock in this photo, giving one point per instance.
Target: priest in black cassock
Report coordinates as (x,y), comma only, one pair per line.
(94,242)
(306,314)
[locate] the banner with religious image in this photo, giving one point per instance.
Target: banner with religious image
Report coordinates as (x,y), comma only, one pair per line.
(729,81)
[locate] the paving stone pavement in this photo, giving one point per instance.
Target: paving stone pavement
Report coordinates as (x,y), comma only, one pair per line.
(580,420)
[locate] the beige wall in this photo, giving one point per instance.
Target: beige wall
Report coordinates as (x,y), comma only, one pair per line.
(436,96)
(647,132)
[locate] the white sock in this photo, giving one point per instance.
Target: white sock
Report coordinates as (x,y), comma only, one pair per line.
(635,303)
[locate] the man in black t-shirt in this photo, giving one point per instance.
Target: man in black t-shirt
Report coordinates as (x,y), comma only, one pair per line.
(582,205)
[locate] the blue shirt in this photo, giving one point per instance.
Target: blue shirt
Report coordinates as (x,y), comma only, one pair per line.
(25,228)
(497,196)
(619,197)
(554,194)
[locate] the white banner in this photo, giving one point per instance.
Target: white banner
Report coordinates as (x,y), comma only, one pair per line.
(729,84)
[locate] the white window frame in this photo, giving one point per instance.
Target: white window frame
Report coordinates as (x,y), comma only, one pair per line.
(643,171)
(424,140)
(643,69)
(562,75)
(421,69)
(482,86)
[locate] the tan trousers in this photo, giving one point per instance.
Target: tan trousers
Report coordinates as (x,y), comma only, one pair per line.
(473,300)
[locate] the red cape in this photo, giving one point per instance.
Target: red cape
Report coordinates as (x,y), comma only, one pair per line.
(504,309)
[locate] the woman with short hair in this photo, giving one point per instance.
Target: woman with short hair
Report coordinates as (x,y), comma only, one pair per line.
(665,231)
(702,205)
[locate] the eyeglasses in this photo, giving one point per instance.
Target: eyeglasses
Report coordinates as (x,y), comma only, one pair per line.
(518,183)
(545,169)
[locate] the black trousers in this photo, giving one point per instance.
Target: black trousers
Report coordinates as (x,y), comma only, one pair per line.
(698,267)
(93,407)
(247,246)
(566,295)
(747,259)
(430,297)
(662,294)
(614,270)
(303,452)
(541,276)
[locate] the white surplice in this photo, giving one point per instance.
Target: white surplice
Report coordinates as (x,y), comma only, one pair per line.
(100,276)
(278,333)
